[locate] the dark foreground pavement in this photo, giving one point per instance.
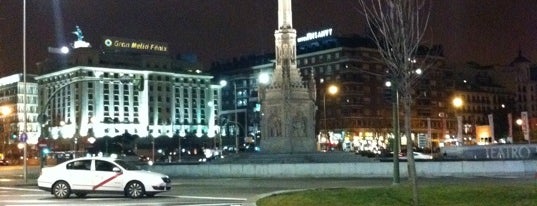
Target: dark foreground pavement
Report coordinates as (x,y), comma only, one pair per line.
(253,189)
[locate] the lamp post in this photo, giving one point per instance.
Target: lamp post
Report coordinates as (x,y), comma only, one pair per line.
(395,127)
(331,89)
(457,103)
(522,122)
(263,81)
(235,111)
(180,150)
(25,164)
(394,86)
(223,83)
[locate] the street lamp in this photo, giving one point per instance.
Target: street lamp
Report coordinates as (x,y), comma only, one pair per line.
(25,125)
(236,118)
(393,84)
(332,89)
(458,103)
(522,122)
(223,83)
(61,50)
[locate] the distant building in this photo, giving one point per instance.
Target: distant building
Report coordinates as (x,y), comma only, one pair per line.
(520,76)
(360,113)
(484,96)
(12,97)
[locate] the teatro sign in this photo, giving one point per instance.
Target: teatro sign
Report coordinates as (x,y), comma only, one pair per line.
(135,45)
(494,152)
(315,35)
(512,152)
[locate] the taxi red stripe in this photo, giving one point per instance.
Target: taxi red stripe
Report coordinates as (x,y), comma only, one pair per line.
(106,181)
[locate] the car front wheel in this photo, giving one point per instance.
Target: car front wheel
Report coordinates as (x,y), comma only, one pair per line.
(134,189)
(61,190)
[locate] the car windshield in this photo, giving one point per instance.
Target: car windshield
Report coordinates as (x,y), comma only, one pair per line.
(127,165)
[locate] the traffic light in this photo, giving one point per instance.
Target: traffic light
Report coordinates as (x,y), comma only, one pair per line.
(14,136)
(45,151)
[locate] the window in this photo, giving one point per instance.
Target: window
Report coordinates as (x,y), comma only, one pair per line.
(104,166)
(79,165)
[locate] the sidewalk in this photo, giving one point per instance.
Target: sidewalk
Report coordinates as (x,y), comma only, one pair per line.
(13,175)
(10,182)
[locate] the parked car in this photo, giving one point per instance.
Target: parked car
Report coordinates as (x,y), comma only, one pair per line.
(86,175)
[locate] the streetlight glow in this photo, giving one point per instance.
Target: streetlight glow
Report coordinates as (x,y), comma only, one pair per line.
(519,122)
(5,110)
(264,78)
(457,102)
(64,50)
(332,89)
(223,83)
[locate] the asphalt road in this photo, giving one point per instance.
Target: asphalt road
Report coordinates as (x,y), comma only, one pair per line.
(216,191)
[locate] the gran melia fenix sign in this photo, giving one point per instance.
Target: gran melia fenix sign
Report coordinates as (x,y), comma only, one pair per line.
(134,45)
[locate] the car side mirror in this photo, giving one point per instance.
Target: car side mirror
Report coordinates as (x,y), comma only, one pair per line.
(116,170)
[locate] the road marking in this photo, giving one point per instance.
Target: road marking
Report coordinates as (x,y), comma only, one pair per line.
(212,198)
(32,201)
(20,189)
(106,181)
(27,195)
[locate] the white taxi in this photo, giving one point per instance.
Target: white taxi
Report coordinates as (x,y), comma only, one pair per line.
(101,175)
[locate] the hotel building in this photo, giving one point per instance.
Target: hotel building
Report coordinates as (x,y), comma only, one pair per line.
(125,90)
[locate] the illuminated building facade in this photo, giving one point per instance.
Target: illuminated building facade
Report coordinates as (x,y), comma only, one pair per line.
(126,91)
(12,98)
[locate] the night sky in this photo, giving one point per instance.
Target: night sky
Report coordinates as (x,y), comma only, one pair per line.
(484,31)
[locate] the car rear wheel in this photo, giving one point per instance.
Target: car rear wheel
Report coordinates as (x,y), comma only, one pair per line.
(134,189)
(61,190)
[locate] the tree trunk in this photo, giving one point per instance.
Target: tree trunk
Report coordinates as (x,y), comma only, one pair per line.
(411,163)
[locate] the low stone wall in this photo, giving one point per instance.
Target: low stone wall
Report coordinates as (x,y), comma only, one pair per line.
(355,169)
(491,152)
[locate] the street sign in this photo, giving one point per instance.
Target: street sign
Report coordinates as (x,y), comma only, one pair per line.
(23,137)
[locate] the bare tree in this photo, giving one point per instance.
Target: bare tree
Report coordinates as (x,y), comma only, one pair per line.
(398,27)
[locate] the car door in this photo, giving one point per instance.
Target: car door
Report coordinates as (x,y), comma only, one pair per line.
(76,174)
(105,179)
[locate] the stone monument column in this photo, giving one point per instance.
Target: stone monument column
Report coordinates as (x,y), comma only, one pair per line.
(288,105)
